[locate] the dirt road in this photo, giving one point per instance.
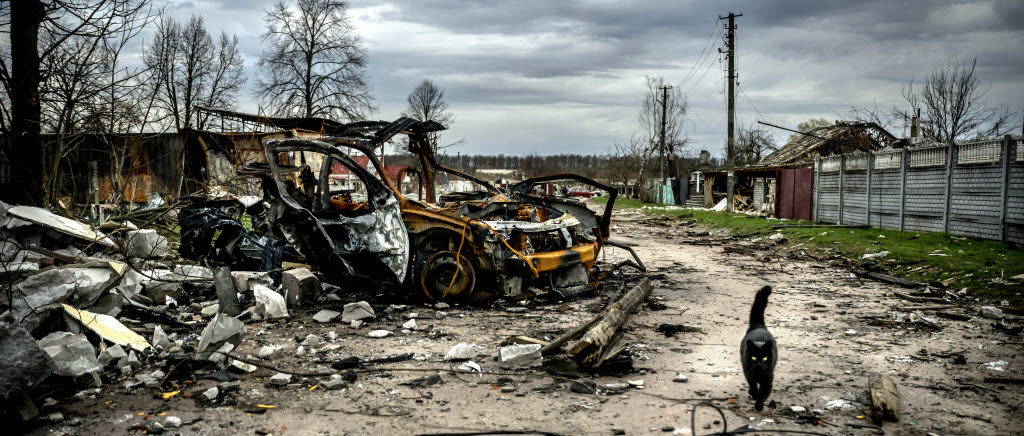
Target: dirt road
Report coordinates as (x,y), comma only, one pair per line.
(825,321)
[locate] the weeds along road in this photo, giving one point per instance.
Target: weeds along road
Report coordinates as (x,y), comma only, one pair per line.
(834,331)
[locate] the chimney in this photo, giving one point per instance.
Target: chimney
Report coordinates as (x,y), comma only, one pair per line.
(705,157)
(914,120)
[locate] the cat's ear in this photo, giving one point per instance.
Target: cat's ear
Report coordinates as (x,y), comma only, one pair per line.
(751,344)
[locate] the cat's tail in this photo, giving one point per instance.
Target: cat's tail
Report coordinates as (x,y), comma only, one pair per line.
(757,310)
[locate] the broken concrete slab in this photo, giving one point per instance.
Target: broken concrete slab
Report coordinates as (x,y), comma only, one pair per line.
(72,354)
(108,328)
(16,271)
(300,287)
(356,311)
(40,295)
(108,304)
(145,244)
(111,355)
(160,338)
(131,361)
(221,329)
(49,220)
(520,356)
(326,316)
(227,295)
(192,273)
(246,281)
(25,363)
(269,304)
(280,379)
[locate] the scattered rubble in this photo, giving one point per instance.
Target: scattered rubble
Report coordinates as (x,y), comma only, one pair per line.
(356,312)
(269,304)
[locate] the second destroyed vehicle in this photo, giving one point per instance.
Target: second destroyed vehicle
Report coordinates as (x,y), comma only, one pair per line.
(331,203)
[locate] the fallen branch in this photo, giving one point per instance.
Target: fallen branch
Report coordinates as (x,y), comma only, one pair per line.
(1005,380)
(590,348)
(572,334)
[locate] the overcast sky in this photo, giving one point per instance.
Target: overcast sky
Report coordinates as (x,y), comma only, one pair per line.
(568,76)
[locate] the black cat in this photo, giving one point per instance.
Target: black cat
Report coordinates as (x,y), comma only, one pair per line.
(758,352)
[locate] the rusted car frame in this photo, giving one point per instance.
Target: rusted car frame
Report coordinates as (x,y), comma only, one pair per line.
(458,245)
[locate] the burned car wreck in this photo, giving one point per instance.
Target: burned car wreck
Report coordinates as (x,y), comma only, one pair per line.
(467,245)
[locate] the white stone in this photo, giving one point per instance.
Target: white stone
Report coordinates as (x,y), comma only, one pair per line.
(636,383)
(211,394)
(991,312)
(311,341)
(356,324)
(332,335)
(269,304)
(797,409)
(875,256)
(378,333)
(410,324)
(210,310)
(280,379)
(680,378)
(172,422)
(461,351)
(270,351)
(326,316)
(520,356)
(145,244)
(356,311)
(160,338)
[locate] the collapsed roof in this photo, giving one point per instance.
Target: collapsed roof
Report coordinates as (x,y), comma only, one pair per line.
(842,137)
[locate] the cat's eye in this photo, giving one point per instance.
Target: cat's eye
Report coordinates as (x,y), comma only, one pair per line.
(753,357)
(764,358)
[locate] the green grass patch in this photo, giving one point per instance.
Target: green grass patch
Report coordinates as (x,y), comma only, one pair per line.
(924,257)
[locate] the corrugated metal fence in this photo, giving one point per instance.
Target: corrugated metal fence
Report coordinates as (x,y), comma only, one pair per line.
(972,189)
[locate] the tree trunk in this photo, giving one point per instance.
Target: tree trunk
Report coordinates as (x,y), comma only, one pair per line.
(24,144)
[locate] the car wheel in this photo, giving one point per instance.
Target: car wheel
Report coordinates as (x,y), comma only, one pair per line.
(447,276)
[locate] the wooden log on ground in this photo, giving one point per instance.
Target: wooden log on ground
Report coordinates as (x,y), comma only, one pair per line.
(572,334)
(927,307)
(919,299)
(885,399)
(887,279)
(1005,380)
(590,347)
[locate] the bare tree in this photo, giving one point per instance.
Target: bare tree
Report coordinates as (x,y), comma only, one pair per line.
(426,102)
(650,119)
(753,144)
(626,160)
(953,103)
(61,22)
(314,64)
(188,69)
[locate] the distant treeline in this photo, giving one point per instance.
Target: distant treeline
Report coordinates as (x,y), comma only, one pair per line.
(595,166)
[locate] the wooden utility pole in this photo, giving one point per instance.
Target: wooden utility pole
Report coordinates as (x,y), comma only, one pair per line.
(661,160)
(730,42)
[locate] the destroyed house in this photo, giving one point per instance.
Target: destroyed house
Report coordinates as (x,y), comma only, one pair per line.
(782,183)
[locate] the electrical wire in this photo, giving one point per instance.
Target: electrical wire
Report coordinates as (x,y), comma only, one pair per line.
(704,54)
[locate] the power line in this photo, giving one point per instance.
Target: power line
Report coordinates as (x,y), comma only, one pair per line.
(704,54)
